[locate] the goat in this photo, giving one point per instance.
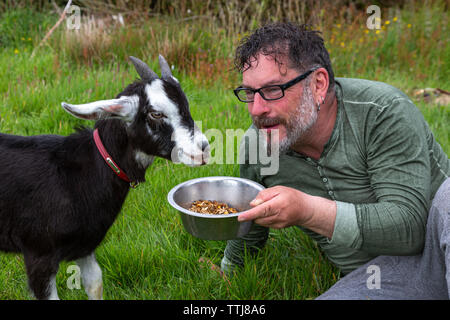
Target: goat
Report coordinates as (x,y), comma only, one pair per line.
(59,195)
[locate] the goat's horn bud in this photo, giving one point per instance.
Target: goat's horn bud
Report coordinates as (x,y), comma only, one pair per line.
(143,69)
(165,68)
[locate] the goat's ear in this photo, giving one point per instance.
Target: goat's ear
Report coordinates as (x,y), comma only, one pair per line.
(124,108)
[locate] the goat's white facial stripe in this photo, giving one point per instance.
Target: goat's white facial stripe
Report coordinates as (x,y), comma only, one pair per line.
(187,142)
(157,97)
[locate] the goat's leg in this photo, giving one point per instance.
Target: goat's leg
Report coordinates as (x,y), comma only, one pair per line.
(91,275)
(41,272)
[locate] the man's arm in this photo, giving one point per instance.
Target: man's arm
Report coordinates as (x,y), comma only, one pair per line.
(280,207)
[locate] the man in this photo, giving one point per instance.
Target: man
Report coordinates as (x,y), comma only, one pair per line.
(358,164)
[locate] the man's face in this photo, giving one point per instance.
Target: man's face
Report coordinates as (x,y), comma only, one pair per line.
(292,115)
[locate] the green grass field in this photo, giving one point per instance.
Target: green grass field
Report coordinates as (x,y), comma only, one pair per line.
(147,254)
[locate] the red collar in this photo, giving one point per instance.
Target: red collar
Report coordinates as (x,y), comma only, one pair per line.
(110,162)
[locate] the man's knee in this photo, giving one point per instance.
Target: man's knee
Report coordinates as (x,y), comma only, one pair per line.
(441,199)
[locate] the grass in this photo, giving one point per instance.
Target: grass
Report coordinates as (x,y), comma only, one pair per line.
(147,254)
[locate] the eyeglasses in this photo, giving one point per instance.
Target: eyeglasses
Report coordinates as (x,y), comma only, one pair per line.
(273,92)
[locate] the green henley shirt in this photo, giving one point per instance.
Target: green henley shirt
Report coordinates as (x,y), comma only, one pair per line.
(381,165)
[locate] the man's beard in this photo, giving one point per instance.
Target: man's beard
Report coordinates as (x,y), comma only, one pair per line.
(298,122)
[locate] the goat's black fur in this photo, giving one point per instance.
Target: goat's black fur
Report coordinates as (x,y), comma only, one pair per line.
(47,208)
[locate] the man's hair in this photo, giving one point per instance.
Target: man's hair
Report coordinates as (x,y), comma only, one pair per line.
(304,48)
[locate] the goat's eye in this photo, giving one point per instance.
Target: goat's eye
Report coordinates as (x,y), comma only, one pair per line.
(156,115)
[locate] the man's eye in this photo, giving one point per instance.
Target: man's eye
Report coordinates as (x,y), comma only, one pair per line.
(248,93)
(156,115)
(272,92)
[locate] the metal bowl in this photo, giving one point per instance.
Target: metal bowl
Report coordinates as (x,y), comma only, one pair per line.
(236,192)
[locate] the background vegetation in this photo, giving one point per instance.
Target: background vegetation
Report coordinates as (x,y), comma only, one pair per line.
(147,254)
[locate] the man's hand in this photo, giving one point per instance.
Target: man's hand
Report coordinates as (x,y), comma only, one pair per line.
(280,207)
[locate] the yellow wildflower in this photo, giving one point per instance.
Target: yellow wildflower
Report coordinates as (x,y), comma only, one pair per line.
(16,51)
(387,22)
(409,25)
(342,44)
(395,19)
(366,31)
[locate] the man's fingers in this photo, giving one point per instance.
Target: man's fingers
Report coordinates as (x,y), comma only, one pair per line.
(256,202)
(263,196)
(251,214)
(259,211)
(262,205)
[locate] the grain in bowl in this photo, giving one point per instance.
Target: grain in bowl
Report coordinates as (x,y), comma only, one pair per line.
(211,207)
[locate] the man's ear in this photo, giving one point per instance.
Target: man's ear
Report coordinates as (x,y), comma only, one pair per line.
(124,108)
(322,81)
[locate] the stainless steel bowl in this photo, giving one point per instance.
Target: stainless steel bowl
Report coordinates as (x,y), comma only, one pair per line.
(236,192)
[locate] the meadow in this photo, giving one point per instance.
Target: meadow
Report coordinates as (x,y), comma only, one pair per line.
(147,254)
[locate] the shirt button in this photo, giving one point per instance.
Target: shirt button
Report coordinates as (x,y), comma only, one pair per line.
(330,193)
(324,179)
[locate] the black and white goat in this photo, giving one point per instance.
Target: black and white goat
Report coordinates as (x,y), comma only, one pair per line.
(59,195)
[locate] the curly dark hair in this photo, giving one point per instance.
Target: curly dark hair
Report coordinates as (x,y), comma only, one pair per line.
(304,47)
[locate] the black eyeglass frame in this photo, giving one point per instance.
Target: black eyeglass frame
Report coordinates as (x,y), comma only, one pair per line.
(281,86)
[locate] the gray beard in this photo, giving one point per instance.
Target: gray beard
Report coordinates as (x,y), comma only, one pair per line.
(300,121)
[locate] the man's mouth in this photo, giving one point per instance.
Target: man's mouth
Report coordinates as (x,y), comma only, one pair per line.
(271,127)
(267,123)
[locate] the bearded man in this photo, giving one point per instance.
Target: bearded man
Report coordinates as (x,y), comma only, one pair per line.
(358,169)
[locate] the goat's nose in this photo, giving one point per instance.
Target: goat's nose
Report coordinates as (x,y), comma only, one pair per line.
(205,145)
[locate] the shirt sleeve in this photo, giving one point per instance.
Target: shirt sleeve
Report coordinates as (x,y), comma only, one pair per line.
(399,169)
(346,230)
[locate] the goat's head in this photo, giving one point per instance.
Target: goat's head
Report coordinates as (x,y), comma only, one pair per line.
(157,116)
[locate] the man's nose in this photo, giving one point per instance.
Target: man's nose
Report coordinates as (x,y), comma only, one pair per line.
(258,106)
